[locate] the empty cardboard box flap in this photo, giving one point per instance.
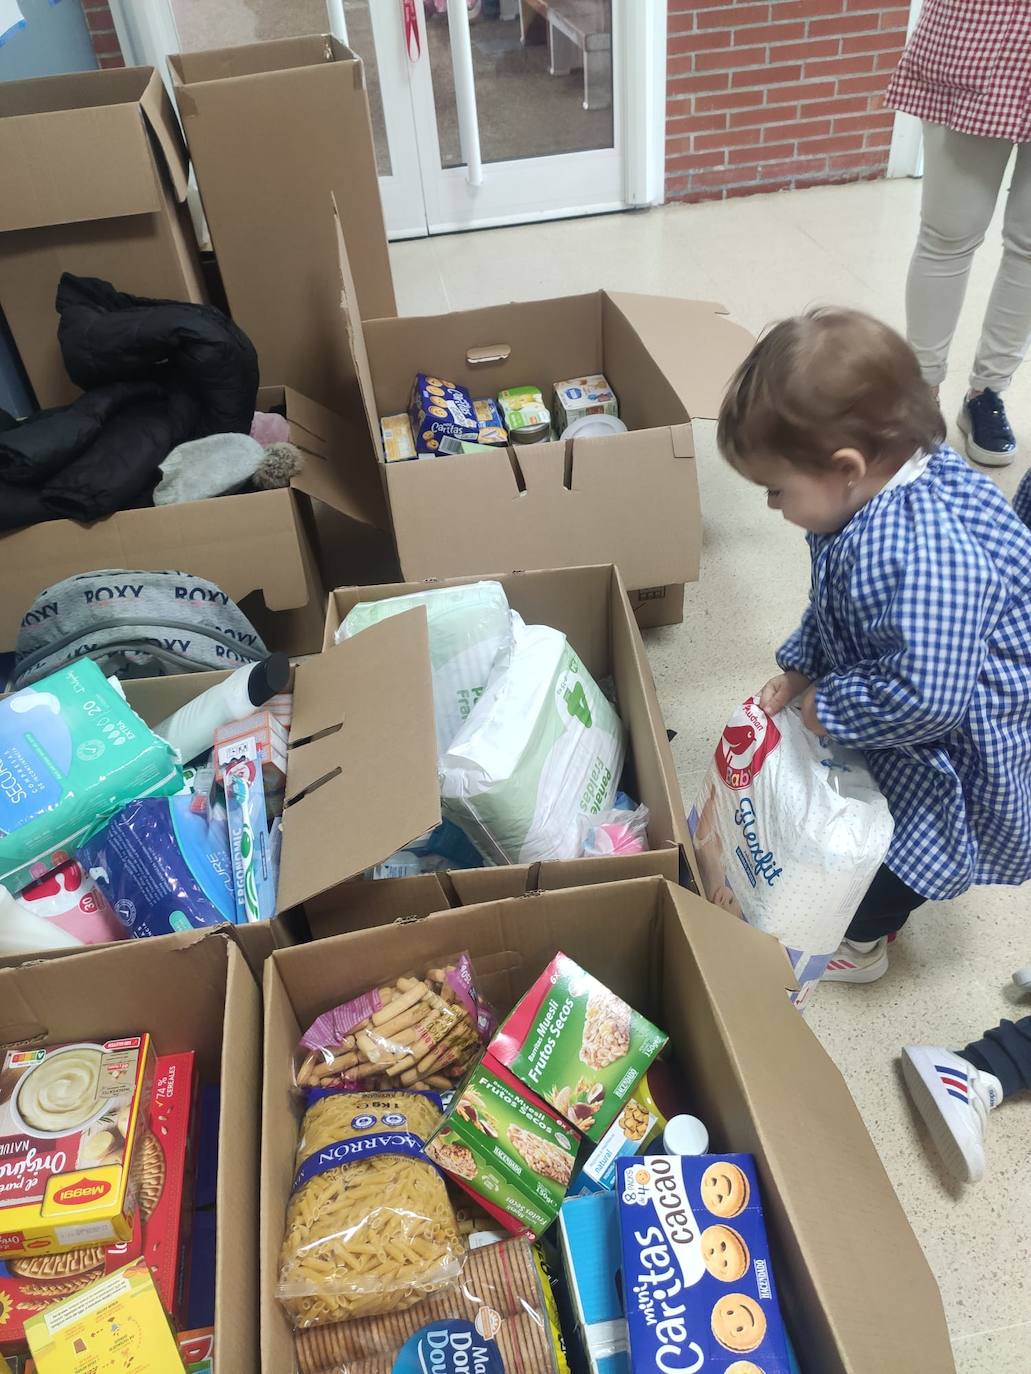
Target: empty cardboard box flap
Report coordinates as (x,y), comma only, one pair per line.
(695,345)
(360,379)
(78,148)
(362,775)
(337,468)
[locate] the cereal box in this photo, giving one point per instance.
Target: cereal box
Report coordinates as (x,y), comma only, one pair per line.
(197,1349)
(440,409)
(116,1324)
(34,1282)
(71,1119)
(697,1279)
(506,1149)
(577,1045)
(582,396)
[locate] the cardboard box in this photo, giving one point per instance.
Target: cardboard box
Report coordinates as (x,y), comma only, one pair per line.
(590,606)
(192,992)
(95,180)
(631,499)
(258,547)
(267,196)
(719,988)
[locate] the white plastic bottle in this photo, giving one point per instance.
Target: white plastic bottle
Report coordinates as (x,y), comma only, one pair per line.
(684,1135)
(192,728)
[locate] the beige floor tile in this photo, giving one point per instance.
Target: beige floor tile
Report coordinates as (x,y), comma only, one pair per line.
(764,258)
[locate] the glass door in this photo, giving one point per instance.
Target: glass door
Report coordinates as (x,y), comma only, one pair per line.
(498,111)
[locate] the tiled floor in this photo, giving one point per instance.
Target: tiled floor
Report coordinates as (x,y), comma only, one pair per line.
(764,258)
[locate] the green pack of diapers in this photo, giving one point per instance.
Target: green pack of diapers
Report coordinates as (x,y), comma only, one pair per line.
(72,753)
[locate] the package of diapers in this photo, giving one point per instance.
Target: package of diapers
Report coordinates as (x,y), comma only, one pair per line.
(468,628)
(542,749)
(72,752)
(789,832)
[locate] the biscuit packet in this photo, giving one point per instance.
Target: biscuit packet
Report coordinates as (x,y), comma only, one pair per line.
(369,1226)
(413,1033)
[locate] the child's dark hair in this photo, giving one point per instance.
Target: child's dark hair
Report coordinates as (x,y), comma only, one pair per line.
(827,380)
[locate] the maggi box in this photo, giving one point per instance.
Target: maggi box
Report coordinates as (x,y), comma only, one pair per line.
(697,1279)
(577,1045)
(71,1117)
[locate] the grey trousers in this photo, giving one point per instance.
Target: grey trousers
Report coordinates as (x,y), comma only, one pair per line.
(962,178)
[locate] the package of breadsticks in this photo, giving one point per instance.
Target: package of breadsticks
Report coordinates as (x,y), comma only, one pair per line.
(412,1033)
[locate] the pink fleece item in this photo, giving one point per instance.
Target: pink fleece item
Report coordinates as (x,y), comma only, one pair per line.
(269,428)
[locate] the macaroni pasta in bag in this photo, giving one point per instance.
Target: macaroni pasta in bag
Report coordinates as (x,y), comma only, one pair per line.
(789,832)
(369,1226)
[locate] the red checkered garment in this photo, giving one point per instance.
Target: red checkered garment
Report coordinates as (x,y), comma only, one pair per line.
(968,66)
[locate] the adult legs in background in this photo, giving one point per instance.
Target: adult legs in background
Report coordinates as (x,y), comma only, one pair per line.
(1007,323)
(962,177)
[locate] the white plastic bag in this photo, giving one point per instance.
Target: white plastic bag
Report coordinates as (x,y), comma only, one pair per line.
(468,627)
(541,749)
(789,832)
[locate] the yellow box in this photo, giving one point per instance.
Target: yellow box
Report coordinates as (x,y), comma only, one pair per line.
(71,1117)
(398,443)
(115,1324)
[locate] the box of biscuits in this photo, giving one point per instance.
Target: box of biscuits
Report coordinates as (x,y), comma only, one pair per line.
(510,1151)
(577,1045)
(697,1279)
(71,1121)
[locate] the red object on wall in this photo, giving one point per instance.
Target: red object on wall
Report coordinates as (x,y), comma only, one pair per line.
(785,93)
(102,33)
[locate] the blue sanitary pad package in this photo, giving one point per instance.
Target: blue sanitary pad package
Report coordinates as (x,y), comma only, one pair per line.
(164,865)
(697,1279)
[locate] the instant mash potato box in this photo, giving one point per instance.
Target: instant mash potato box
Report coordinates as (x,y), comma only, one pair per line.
(71,1117)
(577,1045)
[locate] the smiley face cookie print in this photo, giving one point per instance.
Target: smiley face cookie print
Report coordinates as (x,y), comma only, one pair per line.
(725,1189)
(739,1323)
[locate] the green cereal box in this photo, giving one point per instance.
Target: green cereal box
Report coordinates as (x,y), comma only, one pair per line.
(577,1045)
(511,1152)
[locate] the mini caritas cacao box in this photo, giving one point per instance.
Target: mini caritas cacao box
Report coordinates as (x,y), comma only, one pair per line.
(70,1120)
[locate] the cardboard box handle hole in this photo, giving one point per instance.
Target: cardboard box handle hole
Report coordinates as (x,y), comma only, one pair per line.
(488,355)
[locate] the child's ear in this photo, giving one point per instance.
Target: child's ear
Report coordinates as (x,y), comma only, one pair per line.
(850,464)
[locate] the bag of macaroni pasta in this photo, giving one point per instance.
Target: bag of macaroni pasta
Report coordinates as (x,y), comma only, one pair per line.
(789,832)
(369,1226)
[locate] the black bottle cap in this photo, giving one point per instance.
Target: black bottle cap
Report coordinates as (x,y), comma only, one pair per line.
(267,678)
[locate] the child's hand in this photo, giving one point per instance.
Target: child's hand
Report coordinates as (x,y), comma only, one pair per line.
(807,710)
(782,690)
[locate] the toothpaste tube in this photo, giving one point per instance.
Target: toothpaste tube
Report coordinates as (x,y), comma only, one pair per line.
(255,871)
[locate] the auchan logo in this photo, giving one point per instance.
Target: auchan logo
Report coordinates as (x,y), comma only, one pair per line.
(84,1190)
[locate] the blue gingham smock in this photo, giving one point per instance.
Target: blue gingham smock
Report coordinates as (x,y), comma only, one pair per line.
(1022,500)
(918,634)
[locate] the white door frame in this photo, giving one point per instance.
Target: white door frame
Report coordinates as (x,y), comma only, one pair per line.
(906,158)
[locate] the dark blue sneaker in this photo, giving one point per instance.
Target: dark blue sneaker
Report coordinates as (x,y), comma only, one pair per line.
(989,438)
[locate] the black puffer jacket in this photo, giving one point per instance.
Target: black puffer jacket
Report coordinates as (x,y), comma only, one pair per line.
(154,373)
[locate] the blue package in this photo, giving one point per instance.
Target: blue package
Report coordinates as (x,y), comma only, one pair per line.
(441,409)
(206,1173)
(589,1237)
(164,866)
(697,1278)
(200,1289)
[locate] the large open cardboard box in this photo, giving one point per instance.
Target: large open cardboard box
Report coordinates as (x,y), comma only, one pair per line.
(94,182)
(259,547)
(275,129)
(590,606)
(629,499)
(856,1291)
(192,992)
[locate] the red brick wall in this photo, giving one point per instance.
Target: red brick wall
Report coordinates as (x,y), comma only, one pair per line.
(102,33)
(763,96)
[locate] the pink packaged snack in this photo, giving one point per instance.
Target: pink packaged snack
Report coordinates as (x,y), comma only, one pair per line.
(70,898)
(412,1033)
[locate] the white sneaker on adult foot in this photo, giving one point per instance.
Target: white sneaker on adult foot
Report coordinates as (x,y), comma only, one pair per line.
(852,964)
(954,1099)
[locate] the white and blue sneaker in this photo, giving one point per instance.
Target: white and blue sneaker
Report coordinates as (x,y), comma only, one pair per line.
(954,1099)
(989,438)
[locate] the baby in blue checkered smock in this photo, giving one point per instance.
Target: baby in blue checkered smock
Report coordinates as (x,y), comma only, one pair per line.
(916,644)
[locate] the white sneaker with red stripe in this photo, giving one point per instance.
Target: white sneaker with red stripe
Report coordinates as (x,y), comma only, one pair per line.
(954,1099)
(852,964)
